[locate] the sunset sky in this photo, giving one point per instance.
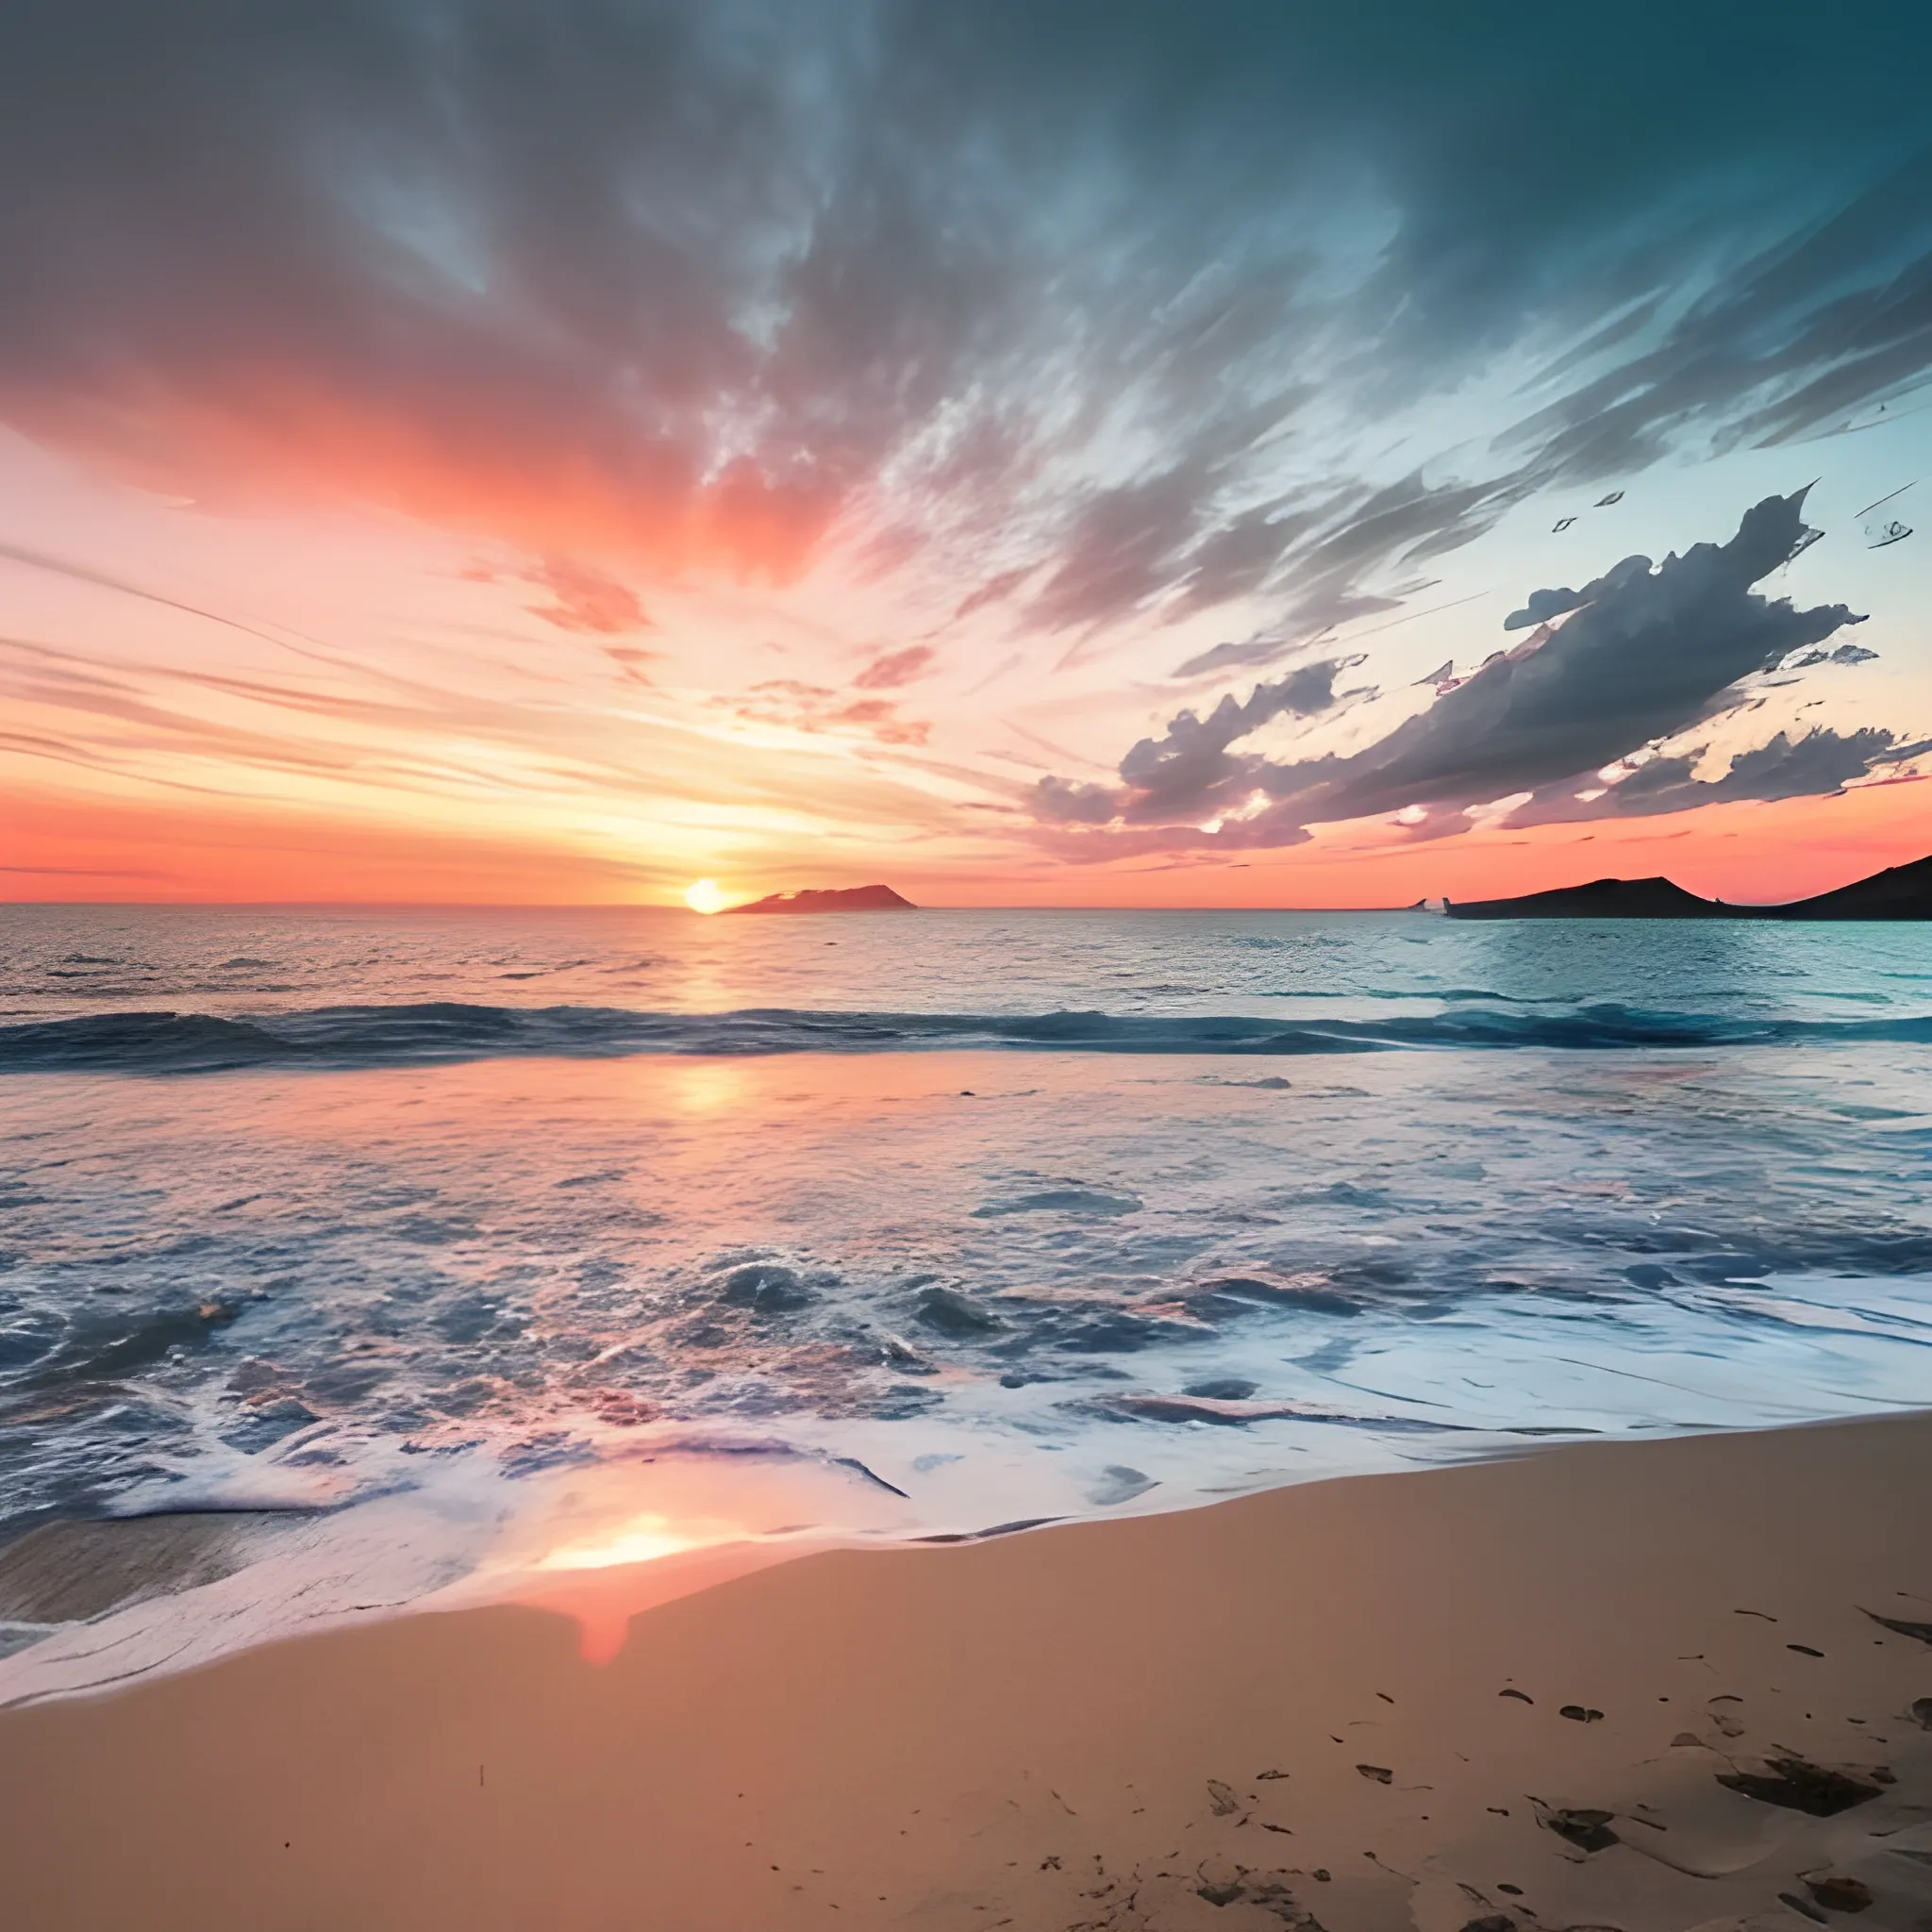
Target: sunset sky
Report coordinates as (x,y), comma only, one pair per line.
(1037,452)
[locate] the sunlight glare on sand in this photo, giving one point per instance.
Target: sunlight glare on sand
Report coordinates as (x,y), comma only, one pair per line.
(600,1562)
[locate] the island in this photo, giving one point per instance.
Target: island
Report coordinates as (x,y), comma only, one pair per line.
(1900,892)
(840,899)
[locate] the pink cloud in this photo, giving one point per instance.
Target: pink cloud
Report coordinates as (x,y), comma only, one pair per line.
(586,599)
(895,668)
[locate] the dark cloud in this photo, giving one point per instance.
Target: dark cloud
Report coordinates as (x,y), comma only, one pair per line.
(1121,549)
(1789,344)
(1069,802)
(994,591)
(696,277)
(1815,764)
(1642,660)
(1314,560)
(1645,653)
(1255,653)
(1541,607)
(1237,558)
(1406,520)
(1189,763)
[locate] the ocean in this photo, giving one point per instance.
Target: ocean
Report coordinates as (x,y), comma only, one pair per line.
(429,1222)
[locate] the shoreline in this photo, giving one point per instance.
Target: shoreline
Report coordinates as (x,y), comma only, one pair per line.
(1373,1702)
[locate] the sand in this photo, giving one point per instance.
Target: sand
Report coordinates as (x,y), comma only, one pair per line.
(1286,1710)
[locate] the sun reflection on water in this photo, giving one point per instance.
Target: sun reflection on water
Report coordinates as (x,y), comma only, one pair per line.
(641,1540)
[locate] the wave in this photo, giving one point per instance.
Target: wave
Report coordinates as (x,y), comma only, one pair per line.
(343,1036)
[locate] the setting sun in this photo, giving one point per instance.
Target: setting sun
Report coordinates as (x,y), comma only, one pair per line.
(704,896)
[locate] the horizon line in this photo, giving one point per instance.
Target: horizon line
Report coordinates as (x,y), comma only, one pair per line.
(1429,902)
(616,906)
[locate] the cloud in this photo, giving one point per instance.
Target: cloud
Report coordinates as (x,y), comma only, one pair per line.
(1189,765)
(895,668)
(584,599)
(968,326)
(1642,660)
(1815,764)
(1788,346)
(880,719)
(1111,283)
(1257,651)
(1240,554)
(1542,606)
(1644,653)
(1121,548)
(82,573)
(817,708)
(1069,802)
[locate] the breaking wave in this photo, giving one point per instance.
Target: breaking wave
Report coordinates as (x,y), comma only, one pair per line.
(380,1036)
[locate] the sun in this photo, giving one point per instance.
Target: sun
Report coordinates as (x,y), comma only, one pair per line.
(704,896)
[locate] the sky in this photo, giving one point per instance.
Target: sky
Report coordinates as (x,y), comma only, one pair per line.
(1026,452)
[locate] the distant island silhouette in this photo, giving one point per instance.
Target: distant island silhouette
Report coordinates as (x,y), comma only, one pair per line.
(840,899)
(1900,892)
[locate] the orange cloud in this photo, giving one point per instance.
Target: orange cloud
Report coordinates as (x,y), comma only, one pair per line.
(463,461)
(813,707)
(584,599)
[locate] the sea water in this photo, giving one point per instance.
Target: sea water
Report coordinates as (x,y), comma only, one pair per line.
(432,1219)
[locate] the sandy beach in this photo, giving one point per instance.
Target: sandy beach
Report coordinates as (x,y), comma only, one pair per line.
(1632,1686)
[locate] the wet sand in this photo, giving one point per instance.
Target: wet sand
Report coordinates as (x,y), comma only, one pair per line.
(1632,1686)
